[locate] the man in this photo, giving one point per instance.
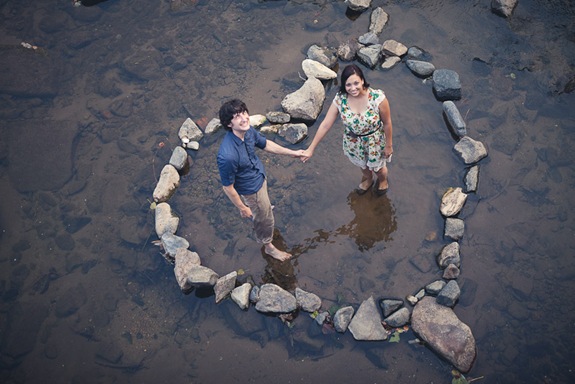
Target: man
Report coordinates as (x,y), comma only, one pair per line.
(243,175)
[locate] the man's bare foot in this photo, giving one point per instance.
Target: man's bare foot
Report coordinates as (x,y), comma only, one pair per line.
(271,250)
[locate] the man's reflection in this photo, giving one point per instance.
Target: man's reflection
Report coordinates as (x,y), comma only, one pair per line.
(279,272)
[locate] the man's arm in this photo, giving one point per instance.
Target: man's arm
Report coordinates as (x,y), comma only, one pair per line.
(236,200)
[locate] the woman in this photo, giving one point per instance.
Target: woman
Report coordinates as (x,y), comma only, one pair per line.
(368,134)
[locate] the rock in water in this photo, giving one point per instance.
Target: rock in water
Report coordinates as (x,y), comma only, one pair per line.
(440,327)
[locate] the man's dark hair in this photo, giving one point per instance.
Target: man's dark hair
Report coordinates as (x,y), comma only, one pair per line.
(229,109)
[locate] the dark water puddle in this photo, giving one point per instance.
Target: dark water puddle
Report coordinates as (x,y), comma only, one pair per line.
(89,118)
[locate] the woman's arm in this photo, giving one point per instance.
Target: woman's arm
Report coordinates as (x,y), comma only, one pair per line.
(274,147)
(385,116)
(323,129)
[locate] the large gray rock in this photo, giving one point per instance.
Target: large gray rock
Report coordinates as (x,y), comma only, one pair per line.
(469,150)
(452,201)
(165,220)
(366,324)
(275,299)
(442,330)
(305,103)
(167,184)
(446,85)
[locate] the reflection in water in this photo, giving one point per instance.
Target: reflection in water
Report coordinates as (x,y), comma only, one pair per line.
(374,221)
(279,272)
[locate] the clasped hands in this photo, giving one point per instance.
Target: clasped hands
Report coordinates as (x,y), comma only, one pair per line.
(303,155)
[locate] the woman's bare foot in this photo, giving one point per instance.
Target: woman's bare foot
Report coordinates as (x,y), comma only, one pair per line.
(272,251)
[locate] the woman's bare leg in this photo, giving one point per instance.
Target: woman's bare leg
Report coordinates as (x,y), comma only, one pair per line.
(382,179)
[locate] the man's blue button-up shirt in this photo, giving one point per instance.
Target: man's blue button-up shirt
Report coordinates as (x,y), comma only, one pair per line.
(238,163)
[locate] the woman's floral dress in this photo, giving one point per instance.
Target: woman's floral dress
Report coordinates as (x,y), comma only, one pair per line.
(363,136)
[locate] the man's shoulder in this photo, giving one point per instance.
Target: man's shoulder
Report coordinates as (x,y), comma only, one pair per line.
(227,147)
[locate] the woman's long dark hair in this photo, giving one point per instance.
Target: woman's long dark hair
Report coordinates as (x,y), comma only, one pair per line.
(349,70)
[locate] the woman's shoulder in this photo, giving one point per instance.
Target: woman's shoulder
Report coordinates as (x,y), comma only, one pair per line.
(376,95)
(376,92)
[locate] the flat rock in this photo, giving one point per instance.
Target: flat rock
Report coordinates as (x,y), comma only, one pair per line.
(165,220)
(167,184)
(398,318)
(313,68)
(446,85)
(420,68)
(366,324)
(378,20)
(171,243)
(452,201)
(342,318)
(275,299)
(469,150)
(241,295)
(307,301)
(225,285)
(293,133)
(449,255)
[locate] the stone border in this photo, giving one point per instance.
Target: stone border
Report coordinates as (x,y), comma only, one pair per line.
(366,322)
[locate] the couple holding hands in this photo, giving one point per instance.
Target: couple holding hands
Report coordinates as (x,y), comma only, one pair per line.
(367,142)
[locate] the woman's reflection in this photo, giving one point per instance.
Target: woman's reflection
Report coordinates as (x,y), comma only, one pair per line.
(374,221)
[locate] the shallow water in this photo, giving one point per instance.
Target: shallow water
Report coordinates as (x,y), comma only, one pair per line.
(90,117)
